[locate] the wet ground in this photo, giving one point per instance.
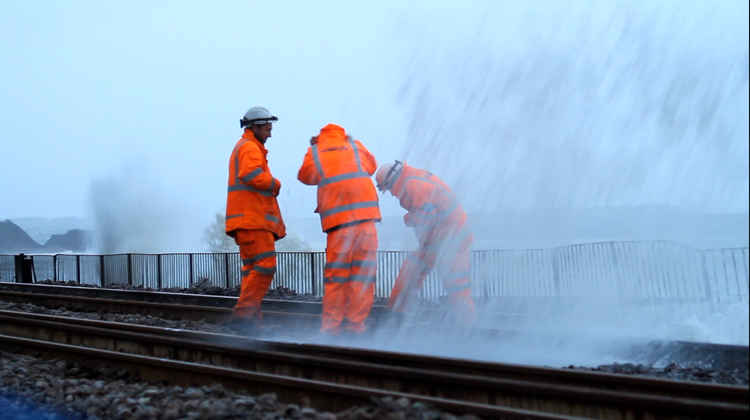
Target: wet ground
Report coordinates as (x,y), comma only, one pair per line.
(55,389)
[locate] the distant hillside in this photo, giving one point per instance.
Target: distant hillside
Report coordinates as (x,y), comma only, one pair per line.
(14,239)
(76,240)
(41,229)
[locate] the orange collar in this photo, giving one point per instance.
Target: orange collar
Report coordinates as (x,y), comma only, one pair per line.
(249,136)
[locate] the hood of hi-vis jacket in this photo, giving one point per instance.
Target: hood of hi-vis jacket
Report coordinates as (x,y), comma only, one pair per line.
(341,167)
(251,191)
(429,201)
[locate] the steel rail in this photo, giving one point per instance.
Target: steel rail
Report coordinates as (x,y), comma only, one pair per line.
(300,306)
(559,391)
(321,394)
(164,310)
(306,314)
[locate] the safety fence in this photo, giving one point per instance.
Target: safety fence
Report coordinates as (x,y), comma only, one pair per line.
(625,271)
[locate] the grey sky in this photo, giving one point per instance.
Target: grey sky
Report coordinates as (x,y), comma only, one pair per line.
(534,105)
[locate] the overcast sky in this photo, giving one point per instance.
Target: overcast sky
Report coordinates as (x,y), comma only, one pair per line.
(537,105)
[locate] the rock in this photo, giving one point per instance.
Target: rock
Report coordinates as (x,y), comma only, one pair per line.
(308,413)
(267,401)
(292,410)
(193,393)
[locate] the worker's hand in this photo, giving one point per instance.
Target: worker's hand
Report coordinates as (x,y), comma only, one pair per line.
(313,140)
(276,187)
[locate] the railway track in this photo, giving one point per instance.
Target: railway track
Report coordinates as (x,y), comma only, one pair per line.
(336,377)
(305,315)
(166,305)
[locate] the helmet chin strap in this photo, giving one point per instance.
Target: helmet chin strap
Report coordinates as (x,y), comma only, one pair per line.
(392,175)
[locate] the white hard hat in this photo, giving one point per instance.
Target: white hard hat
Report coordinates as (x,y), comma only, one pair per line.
(257,115)
(388,174)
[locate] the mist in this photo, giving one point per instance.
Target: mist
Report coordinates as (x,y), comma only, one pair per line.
(134,211)
(584,105)
(555,123)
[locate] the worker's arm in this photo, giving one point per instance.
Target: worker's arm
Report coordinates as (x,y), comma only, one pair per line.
(250,170)
(308,173)
(369,164)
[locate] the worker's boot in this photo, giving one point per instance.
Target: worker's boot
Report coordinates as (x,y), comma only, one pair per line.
(243,325)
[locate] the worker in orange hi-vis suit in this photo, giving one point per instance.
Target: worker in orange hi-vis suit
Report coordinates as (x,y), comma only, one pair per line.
(348,207)
(444,239)
(253,217)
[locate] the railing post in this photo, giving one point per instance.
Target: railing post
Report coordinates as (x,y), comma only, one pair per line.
(130,271)
(158,271)
(54,267)
(706,280)
(78,269)
(556,272)
(102,282)
(226,268)
(190,258)
(18,266)
(313,285)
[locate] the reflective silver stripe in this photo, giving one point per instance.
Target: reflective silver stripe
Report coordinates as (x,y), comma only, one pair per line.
(339,279)
(364,263)
(237,163)
(245,272)
(258,257)
(265,270)
(232,216)
(458,288)
(445,213)
(316,159)
(356,153)
(237,180)
(343,177)
(335,279)
(421,178)
(247,178)
(242,187)
(428,207)
(339,209)
(362,278)
(272,218)
(358,263)
(351,175)
(337,265)
(237,159)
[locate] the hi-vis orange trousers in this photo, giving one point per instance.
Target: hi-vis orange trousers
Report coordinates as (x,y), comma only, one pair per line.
(451,252)
(349,277)
(258,253)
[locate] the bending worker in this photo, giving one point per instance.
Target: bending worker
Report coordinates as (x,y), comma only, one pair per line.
(348,207)
(253,217)
(444,239)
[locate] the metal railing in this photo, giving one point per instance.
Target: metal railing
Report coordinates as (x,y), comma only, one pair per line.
(631,271)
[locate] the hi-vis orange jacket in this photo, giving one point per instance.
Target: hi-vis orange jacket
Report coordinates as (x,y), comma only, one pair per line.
(341,168)
(252,191)
(432,207)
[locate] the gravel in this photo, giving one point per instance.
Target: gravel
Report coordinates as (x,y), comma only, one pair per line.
(204,287)
(55,389)
(671,371)
(33,388)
